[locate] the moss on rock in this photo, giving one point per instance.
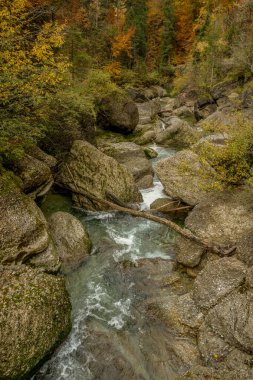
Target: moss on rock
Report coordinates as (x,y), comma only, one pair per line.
(34,318)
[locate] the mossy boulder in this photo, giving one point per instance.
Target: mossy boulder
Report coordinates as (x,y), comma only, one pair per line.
(88,170)
(34,319)
(23,228)
(35,174)
(117,112)
(71,239)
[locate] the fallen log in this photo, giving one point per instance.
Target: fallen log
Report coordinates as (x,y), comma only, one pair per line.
(215,248)
(220,250)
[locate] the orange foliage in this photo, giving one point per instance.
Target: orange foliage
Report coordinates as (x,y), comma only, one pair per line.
(123,44)
(155,28)
(184,12)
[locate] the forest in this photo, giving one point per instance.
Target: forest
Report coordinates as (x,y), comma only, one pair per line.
(126,189)
(72,53)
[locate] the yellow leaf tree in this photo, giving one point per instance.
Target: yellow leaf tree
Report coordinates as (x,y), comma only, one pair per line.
(29,67)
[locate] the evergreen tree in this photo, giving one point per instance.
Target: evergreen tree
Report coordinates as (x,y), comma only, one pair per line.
(137,18)
(169,31)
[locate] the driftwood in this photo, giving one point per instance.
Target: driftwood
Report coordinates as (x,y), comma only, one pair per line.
(220,250)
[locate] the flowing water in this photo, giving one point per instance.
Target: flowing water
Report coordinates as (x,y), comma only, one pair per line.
(112,337)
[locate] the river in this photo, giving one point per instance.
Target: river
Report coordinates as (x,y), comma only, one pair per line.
(112,337)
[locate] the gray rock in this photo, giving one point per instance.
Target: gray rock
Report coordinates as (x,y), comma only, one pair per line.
(88,169)
(186,113)
(185,177)
(34,319)
(117,112)
(35,175)
(187,98)
(218,139)
(136,94)
(200,372)
(23,228)
(224,88)
(148,111)
(158,91)
(71,240)
(216,280)
(163,205)
(48,261)
(218,118)
(232,319)
(188,252)
(223,217)
(40,155)
(145,138)
(244,249)
(177,132)
(145,182)
(182,315)
(247,98)
(212,347)
(167,105)
(132,156)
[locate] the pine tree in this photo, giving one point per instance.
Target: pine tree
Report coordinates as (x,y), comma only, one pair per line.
(137,18)
(169,31)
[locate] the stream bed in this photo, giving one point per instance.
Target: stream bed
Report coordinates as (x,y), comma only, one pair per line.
(113,337)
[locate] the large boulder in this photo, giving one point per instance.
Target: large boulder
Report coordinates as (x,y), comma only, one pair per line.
(133,157)
(177,132)
(223,218)
(35,174)
(88,170)
(180,314)
(71,240)
(216,280)
(186,177)
(34,319)
(23,228)
(148,111)
(117,112)
(140,95)
(185,113)
(232,319)
(40,155)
